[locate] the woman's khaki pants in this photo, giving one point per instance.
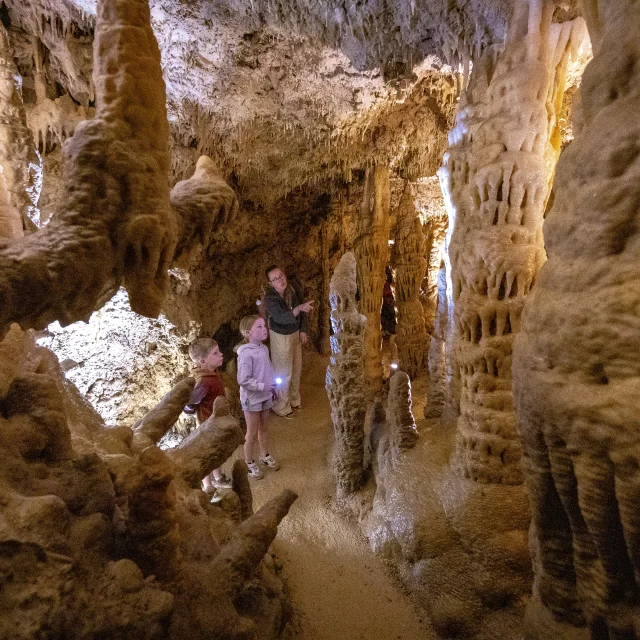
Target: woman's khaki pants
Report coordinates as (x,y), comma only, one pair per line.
(286,357)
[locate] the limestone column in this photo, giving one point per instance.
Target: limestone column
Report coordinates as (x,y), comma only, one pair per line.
(345,377)
(371,249)
(435,230)
(410,268)
(436,357)
(496,178)
(576,371)
(18,159)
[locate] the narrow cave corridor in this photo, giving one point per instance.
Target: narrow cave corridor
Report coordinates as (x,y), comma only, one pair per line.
(319,319)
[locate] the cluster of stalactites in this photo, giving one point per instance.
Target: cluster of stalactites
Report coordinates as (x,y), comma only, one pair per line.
(371,249)
(345,377)
(410,267)
(496,178)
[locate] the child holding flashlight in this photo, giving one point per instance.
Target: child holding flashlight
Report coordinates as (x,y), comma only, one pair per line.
(258,388)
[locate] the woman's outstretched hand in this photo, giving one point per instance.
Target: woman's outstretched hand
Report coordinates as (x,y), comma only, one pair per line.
(306,307)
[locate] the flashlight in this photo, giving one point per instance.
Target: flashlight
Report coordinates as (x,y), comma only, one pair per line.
(278,380)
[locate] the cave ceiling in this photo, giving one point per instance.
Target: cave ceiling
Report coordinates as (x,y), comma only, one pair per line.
(285,95)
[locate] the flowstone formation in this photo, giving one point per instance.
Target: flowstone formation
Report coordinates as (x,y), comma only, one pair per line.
(345,377)
(460,548)
(576,371)
(496,177)
(371,249)
(410,267)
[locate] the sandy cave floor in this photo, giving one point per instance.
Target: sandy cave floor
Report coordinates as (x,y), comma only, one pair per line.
(339,589)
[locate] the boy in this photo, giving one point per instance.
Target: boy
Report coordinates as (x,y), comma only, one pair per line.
(206,357)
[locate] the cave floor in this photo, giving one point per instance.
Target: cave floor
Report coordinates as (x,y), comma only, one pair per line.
(339,589)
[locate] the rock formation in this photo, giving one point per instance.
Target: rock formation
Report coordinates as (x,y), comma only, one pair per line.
(496,177)
(435,230)
(576,368)
(436,357)
(118,165)
(345,377)
(372,251)
(410,267)
(102,534)
(459,547)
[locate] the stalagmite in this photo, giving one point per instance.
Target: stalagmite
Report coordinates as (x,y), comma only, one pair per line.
(410,267)
(18,160)
(496,178)
(241,486)
(206,448)
(150,429)
(401,426)
(239,558)
(371,250)
(345,377)
(575,363)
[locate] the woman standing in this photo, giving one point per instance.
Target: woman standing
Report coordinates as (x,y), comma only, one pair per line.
(287,317)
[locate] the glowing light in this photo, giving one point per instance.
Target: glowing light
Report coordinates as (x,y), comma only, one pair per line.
(278,380)
(391,242)
(394,365)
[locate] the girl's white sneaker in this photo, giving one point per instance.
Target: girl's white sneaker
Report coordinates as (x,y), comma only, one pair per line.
(254,471)
(270,462)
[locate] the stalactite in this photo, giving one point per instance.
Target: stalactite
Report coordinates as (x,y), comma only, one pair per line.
(345,377)
(410,266)
(18,160)
(496,175)
(371,250)
(575,367)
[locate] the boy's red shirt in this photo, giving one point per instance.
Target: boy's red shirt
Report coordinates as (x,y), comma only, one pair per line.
(208,387)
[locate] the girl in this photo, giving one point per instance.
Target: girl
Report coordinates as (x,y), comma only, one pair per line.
(257,389)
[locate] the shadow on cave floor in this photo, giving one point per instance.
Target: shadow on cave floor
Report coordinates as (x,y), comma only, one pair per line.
(339,588)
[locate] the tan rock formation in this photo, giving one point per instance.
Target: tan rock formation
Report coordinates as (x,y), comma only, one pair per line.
(100,535)
(576,370)
(371,249)
(496,176)
(410,267)
(345,377)
(118,165)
